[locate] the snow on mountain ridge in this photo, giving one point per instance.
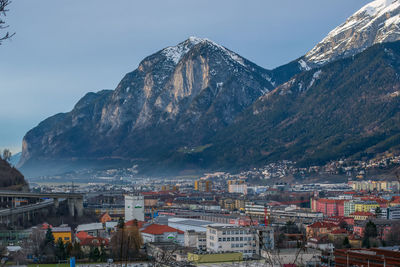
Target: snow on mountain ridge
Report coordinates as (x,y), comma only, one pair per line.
(176,53)
(376,22)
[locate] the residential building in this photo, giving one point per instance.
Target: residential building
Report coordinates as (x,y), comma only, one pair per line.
(361,215)
(253,209)
(348,208)
(203,185)
(134,207)
(328,206)
(320,228)
(230,238)
(64,233)
(365,206)
(392,213)
(237,186)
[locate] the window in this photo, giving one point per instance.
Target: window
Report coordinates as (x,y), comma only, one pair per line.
(219,239)
(241,238)
(228,239)
(224,239)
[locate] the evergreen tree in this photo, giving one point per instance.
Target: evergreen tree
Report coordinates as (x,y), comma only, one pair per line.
(370,230)
(346,243)
(49,238)
(60,250)
(121,223)
(94,254)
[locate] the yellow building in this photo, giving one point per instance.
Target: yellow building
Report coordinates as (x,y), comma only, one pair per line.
(63,233)
(365,206)
(203,185)
(215,257)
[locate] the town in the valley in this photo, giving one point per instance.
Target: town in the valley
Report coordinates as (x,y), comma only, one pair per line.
(217,219)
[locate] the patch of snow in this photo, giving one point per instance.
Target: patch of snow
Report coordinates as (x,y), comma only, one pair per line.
(264,91)
(376,6)
(303,65)
(176,53)
(315,77)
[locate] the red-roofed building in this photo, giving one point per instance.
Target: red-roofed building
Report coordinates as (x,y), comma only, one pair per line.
(320,228)
(82,236)
(138,224)
(162,233)
(361,215)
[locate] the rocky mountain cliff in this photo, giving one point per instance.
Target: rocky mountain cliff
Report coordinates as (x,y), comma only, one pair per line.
(177,98)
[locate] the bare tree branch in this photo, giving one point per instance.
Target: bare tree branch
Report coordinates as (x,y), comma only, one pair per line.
(3,25)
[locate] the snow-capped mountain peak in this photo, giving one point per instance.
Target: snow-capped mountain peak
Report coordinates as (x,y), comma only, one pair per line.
(176,53)
(376,22)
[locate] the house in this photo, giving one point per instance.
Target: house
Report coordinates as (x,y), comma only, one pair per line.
(64,233)
(338,236)
(320,228)
(162,233)
(361,215)
(105,217)
(321,243)
(355,241)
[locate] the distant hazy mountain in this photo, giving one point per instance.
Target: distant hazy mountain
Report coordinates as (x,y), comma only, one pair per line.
(15,159)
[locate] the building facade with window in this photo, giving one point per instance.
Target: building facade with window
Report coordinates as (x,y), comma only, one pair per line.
(230,238)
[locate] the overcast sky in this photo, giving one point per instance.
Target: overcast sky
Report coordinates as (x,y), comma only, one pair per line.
(64,49)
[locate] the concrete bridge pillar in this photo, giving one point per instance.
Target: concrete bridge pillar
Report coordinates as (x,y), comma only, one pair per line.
(79,207)
(75,204)
(71,207)
(56,203)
